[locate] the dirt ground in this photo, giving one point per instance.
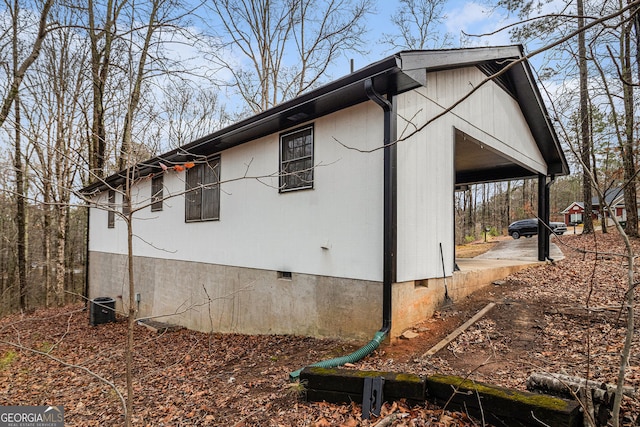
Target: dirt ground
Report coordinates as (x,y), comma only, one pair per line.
(476,248)
(561,318)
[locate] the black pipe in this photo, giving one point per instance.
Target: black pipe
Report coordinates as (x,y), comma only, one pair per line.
(544,231)
(389,240)
(547,193)
(86,260)
(390,199)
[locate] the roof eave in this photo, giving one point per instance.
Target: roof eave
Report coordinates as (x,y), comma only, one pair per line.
(339,94)
(394,74)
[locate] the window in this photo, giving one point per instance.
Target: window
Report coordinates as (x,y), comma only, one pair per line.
(202,197)
(111,215)
(296,159)
(157,186)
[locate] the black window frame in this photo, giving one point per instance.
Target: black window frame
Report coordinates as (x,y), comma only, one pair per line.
(111,214)
(195,200)
(157,193)
(290,157)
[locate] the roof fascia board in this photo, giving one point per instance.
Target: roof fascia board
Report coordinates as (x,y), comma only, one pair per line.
(329,89)
(534,104)
(455,58)
(417,64)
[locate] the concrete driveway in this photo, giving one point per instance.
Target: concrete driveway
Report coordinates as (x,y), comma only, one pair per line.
(523,249)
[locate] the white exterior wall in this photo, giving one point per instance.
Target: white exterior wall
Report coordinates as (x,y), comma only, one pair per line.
(489,115)
(263,229)
(335,290)
(426,172)
(425,192)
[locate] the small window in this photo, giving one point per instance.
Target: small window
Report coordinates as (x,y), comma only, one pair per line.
(296,160)
(111,214)
(157,189)
(202,192)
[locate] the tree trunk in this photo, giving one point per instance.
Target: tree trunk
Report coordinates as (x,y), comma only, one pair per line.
(132,309)
(626,349)
(19,71)
(46,244)
(628,156)
(100,67)
(21,222)
(134,98)
(585,138)
(20,218)
(508,201)
(60,254)
(469,210)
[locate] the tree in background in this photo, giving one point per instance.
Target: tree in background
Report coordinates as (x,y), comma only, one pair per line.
(57,131)
(585,119)
(417,26)
(604,58)
(16,75)
(275,50)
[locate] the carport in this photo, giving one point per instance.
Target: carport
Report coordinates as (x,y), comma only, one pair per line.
(480,161)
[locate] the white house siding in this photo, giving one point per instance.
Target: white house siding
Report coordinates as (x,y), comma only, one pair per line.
(262,228)
(425,192)
(489,115)
(426,161)
(265,231)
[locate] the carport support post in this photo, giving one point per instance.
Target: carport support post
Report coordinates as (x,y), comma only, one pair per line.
(543,214)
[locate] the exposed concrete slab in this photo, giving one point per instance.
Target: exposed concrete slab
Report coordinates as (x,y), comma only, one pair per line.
(523,249)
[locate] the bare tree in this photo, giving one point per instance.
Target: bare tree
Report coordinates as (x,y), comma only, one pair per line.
(417,26)
(191,112)
(17,71)
(57,135)
(101,38)
(21,66)
(288,44)
(629,145)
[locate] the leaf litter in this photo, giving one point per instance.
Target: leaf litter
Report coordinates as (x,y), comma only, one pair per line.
(563,317)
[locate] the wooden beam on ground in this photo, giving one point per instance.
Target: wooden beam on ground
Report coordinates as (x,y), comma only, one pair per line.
(345,385)
(453,335)
(496,405)
(501,406)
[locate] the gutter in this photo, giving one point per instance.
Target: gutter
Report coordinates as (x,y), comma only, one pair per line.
(390,202)
(86,260)
(389,235)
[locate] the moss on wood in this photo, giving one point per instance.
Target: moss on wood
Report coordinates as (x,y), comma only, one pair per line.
(532,399)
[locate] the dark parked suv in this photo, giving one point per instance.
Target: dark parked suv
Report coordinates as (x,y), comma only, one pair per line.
(529,227)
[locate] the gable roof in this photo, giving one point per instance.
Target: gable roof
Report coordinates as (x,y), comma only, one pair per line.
(568,208)
(612,197)
(393,75)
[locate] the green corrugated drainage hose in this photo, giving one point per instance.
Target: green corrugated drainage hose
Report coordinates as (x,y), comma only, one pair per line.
(350,358)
